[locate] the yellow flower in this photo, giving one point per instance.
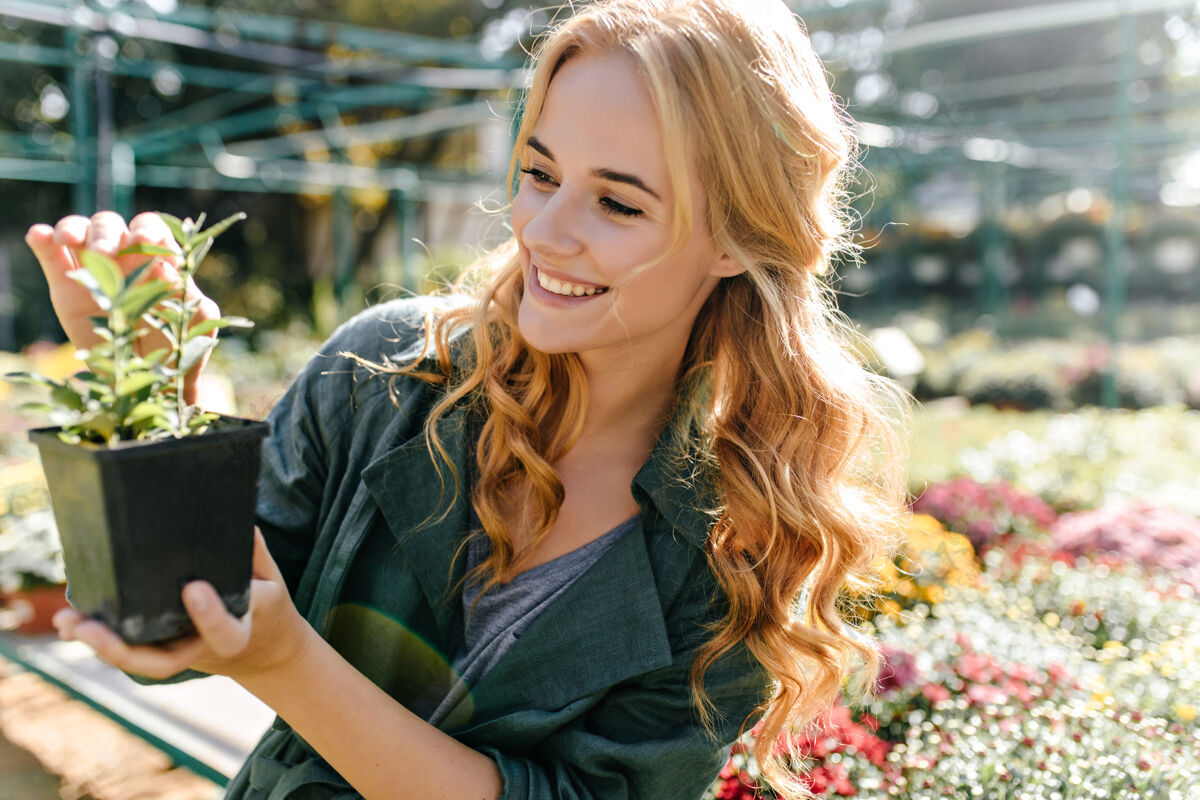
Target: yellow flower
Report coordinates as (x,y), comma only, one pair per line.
(1185,712)
(890,607)
(57,363)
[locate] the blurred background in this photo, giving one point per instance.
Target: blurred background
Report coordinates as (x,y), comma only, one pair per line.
(1028,200)
(1031,169)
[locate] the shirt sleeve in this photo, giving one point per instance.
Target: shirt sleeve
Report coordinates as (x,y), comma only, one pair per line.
(644,739)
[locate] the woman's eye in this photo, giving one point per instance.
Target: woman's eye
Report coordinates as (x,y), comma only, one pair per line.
(614,207)
(539,177)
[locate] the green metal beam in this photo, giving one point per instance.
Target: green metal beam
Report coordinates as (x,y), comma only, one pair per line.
(423,123)
(173,27)
(40,169)
(1070,111)
(81,119)
(819,9)
(284,176)
(970,28)
(225,79)
(394,94)
(1029,83)
(1115,233)
(267,119)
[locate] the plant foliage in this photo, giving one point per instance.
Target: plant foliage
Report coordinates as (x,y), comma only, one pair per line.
(124,394)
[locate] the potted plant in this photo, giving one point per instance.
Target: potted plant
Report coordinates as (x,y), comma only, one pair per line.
(148,491)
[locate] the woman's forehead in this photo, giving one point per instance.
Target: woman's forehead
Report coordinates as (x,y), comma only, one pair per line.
(598,115)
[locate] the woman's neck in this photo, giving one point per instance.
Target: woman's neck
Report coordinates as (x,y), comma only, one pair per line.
(629,402)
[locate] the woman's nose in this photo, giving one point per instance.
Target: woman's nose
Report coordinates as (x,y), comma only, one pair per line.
(553,229)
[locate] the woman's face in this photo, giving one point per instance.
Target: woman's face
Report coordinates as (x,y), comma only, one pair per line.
(594,204)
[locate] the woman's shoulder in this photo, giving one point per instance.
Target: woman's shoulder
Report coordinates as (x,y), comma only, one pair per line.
(392,332)
(356,368)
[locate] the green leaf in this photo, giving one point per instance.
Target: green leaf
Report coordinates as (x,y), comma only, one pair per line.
(147,249)
(145,410)
(201,328)
(164,328)
(132,278)
(70,438)
(223,225)
(209,325)
(67,397)
(136,301)
(194,350)
(93,286)
(31,379)
(200,253)
(135,383)
(176,226)
(105,270)
(154,357)
(102,424)
(101,365)
(98,390)
(201,420)
(169,316)
(37,408)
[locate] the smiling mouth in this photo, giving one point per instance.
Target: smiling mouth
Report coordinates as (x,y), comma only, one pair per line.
(564,289)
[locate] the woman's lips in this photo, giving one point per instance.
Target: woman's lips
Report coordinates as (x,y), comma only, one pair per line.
(538,279)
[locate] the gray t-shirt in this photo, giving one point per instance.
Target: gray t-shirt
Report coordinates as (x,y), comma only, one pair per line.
(500,617)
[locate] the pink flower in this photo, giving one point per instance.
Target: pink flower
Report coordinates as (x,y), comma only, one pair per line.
(1154,537)
(983,695)
(978,668)
(985,512)
(935,692)
(899,670)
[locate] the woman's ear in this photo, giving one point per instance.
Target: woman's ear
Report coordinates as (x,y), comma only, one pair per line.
(726,267)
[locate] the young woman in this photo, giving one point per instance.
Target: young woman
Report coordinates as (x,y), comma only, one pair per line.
(569,539)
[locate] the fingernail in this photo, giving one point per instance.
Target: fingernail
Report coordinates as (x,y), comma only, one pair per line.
(197,597)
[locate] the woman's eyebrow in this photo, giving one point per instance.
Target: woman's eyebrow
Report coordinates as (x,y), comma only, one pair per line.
(606,174)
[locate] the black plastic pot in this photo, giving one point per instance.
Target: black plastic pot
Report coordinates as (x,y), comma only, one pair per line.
(138,520)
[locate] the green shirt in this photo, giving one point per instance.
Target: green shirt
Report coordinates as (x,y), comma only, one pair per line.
(594,699)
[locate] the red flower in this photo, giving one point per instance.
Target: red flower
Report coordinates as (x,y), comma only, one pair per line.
(735,784)
(833,776)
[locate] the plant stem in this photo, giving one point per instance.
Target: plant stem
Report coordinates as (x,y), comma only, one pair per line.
(185,320)
(120,350)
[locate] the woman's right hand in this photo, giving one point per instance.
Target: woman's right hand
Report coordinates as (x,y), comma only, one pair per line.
(57,249)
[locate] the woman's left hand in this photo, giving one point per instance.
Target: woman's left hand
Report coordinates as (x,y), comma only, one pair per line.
(270,636)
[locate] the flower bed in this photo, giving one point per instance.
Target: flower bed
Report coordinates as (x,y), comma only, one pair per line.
(1072,461)
(1058,373)
(1060,656)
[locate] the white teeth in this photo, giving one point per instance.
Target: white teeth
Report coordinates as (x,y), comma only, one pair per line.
(556,286)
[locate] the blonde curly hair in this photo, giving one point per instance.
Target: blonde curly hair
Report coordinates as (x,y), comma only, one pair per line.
(803,441)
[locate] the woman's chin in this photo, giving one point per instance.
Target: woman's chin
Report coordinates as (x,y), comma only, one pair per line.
(540,333)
